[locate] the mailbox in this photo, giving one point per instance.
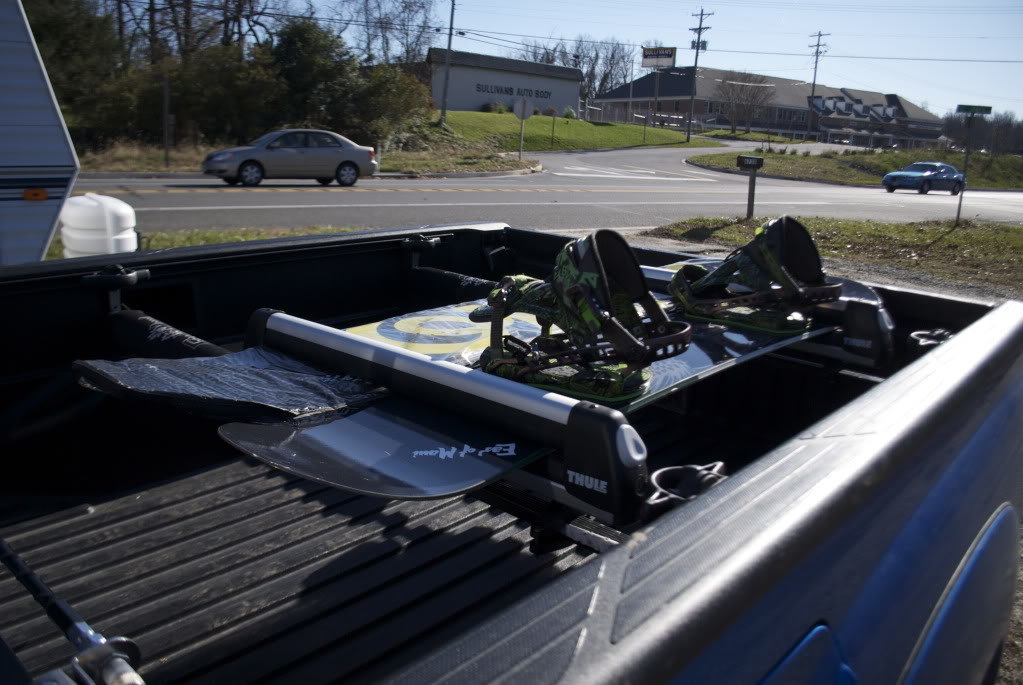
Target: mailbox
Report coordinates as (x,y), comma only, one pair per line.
(749,162)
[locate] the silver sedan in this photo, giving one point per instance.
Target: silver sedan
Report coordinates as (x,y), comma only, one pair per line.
(293,153)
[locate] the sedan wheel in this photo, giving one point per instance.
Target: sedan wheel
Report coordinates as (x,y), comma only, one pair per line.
(347,174)
(956,187)
(925,188)
(890,189)
(250,174)
(324,181)
(230,180)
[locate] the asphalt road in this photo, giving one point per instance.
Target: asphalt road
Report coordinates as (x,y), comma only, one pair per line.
(578,190)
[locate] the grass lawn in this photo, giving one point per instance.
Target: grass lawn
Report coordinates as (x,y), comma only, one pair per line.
(866,168)
(158,240)
(975,252)
(452,162)
(757,136)
(126,156)
(502,131)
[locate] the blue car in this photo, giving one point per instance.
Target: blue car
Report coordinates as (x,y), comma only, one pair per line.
(924,177)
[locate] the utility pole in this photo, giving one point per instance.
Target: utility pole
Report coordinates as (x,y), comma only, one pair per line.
(657,90)
(447,68)
(698,44)
(813,88)
(628,119)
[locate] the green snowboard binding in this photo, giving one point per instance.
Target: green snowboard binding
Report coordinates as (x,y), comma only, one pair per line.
(605,348)
(770,284)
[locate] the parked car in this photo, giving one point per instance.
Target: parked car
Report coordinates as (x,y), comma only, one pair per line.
(293,153)
(924,177)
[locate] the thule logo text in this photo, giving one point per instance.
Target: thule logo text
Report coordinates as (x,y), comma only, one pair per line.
(588,482)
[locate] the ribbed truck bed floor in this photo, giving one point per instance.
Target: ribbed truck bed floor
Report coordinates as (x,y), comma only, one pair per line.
(240,573)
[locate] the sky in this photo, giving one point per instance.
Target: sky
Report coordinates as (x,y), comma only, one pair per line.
(922,36)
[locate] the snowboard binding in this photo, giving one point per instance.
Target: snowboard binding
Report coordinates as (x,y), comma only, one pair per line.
(768,284)
(605,347)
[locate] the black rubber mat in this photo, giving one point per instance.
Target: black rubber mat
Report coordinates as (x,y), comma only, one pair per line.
(241,574)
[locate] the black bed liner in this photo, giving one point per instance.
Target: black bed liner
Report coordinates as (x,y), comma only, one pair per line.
(238,573)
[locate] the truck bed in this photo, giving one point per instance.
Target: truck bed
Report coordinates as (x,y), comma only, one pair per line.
(224,570)
(238,573)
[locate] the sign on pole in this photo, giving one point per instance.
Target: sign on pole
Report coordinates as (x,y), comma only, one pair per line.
(973,109)
(523,110)
(658,57)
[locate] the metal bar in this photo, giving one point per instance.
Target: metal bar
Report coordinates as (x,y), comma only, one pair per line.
(109,661)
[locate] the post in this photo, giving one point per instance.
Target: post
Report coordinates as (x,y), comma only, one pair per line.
(522,135)
(166,117)
(447,68)
(966,167)
(750,164)
(813,89)
(554,117)
(752,192)
(644,125)
(628,118)
(657,88)
(696,63)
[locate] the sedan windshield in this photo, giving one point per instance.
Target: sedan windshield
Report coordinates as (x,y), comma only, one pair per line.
(921,167)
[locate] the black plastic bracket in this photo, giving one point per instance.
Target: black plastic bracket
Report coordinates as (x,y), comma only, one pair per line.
(605,461)
(112,279)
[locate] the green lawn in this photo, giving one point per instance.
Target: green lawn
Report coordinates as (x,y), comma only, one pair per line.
(424,162)
(158,240)
(866,168)
(975,252)
(502,131)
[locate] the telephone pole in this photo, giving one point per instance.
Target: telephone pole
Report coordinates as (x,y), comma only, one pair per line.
(447,68)
(818,50)
(698,44)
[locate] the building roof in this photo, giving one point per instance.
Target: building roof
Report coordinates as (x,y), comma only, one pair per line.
(520,66)
(677,82)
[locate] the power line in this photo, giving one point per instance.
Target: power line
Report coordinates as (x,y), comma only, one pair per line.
(492,34)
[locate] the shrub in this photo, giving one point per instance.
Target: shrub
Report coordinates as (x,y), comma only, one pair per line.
(829,154)
(551,112)
(536,110)
(794,151)
(569,113)
(806,153)
(495,108)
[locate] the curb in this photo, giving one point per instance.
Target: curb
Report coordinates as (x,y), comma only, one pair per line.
(830,183)
(141,174)
(86,175)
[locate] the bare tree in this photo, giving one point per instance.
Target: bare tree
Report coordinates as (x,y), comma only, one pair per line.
(603,63)
(742,94)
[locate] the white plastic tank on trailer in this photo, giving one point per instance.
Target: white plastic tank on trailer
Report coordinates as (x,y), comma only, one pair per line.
(97,224)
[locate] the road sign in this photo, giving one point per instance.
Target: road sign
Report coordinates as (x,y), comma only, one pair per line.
(523,108)
(658,57)
(973,109)
(694,43)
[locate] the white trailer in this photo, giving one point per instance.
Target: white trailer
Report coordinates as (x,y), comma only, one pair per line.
(38,165)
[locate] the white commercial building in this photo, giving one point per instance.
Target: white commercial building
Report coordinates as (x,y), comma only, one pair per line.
(479,80)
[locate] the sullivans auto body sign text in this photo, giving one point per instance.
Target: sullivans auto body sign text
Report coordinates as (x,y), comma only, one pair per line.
(516,92)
